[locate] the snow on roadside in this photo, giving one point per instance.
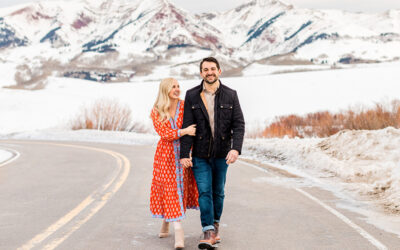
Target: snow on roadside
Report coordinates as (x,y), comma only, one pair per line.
(364,162)
(86,135)
(5,155)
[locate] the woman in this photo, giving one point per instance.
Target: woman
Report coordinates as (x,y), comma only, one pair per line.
(173,188)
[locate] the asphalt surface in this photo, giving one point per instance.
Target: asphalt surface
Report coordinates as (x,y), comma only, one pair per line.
(70,195)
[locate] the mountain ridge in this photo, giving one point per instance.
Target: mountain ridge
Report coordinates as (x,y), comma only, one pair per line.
(142,36)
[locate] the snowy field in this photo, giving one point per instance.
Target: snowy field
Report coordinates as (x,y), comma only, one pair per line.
(262,97)
(362,166)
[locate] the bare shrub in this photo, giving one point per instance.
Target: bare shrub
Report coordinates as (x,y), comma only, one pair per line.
(104,114)
(377,118)
(324,124)
(284,125)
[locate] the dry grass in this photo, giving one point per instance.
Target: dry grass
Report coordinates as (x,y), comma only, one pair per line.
(104,114)
(324,124)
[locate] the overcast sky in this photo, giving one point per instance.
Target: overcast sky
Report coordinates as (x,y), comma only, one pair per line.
(198,6)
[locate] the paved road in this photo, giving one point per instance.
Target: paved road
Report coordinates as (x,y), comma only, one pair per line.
(95,196)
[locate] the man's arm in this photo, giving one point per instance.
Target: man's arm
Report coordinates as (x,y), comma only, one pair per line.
(237,125)
(188,119)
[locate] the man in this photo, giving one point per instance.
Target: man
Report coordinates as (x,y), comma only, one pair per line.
(216,110)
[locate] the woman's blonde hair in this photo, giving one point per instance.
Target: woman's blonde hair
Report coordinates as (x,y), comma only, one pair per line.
(163,102)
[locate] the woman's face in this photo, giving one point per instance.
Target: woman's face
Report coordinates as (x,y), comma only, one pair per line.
(175,91)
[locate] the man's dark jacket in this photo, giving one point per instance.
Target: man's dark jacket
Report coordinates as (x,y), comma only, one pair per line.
(228,124)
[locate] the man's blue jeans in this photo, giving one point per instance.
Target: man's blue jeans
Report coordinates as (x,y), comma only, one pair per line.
(210,175)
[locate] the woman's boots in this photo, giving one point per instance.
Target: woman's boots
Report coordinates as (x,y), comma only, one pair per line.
(164,231)
(179,239)
(179,234)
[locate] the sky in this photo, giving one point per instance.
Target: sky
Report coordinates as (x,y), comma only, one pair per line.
(370,6)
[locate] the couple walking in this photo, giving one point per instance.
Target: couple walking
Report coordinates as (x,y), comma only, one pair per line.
(200,137)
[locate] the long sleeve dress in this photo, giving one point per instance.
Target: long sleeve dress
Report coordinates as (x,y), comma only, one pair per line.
(173,188)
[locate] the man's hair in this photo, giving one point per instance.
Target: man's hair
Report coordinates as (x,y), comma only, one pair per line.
(209,59)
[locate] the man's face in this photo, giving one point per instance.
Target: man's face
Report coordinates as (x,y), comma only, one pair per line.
(209,72)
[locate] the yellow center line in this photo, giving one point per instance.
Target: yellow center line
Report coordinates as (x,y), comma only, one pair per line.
(115,184)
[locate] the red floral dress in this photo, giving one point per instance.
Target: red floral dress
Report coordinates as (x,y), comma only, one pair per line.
(173,188)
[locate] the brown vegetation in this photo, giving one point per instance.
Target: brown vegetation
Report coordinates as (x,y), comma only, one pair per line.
(324,124)
(104,114)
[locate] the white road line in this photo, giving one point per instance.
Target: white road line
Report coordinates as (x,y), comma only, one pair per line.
(15,154)
(346,220)
(91,202)
(255,166)
(342,217)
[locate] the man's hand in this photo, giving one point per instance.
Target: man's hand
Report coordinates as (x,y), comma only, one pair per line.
(232,156)
(186,162)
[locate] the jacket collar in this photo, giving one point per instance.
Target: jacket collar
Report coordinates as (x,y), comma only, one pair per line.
(201,87)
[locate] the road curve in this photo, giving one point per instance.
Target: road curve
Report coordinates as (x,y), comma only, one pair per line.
(10,156)
(71,195)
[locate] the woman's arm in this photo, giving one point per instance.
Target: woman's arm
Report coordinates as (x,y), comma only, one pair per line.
(162,129)
(168,133)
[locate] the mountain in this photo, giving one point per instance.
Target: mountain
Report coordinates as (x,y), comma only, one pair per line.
(118,40)
(268,28)
(8,36)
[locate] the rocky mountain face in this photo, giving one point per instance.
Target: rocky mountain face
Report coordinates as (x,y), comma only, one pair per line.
(119,40)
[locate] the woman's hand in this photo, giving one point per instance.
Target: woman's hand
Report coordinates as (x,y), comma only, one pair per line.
(191,130)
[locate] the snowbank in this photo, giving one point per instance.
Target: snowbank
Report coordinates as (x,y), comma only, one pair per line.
(5,155)
(365,162)
(86,135)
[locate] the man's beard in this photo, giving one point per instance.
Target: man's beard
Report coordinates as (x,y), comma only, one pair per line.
(216,79)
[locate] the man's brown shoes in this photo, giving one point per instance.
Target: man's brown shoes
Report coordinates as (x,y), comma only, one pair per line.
(217,237)
(208,240)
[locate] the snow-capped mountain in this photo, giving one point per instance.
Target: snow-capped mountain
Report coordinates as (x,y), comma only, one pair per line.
(110,40)
(8,36)
(105,26)
(270,27)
